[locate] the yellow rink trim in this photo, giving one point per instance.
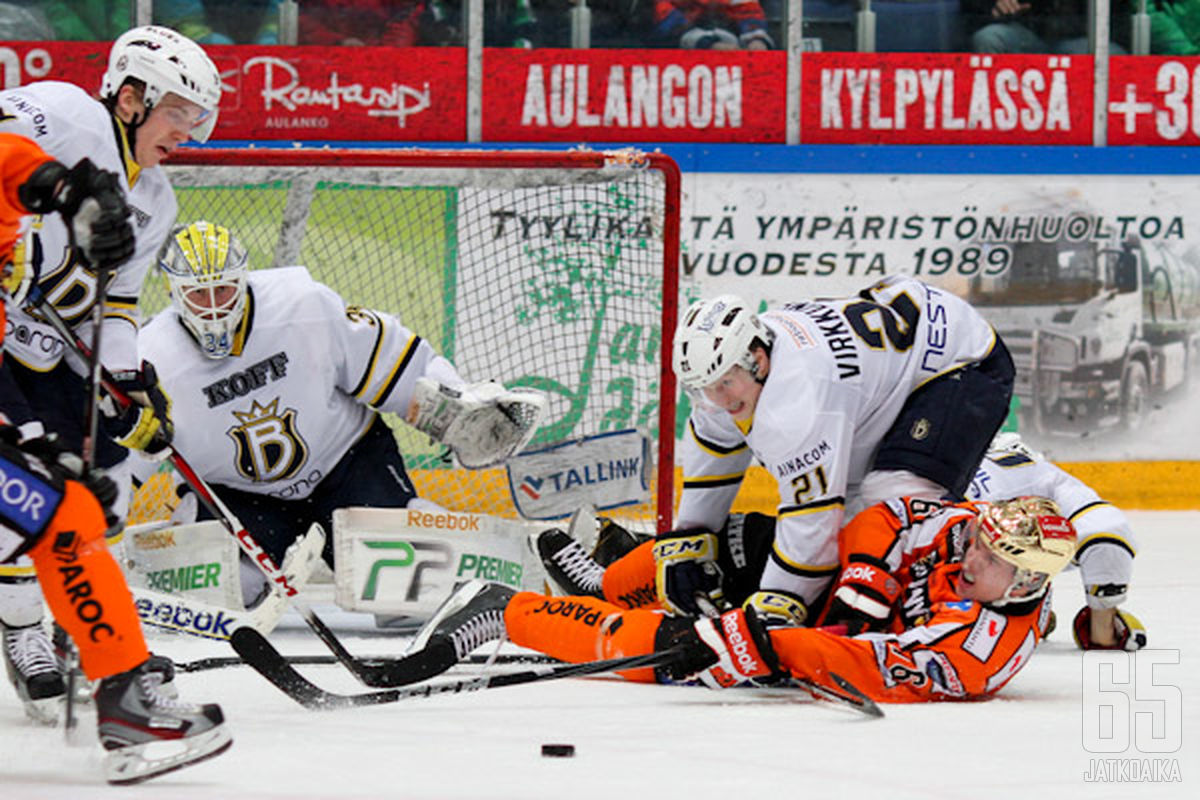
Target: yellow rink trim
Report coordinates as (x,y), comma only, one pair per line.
(1148,485)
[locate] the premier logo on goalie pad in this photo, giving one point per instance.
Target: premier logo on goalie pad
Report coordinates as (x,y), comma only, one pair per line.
(407,561)
(605,471)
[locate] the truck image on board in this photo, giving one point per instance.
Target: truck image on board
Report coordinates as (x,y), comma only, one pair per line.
(1098,330)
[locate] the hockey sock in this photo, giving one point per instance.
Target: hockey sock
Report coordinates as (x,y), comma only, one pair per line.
(85,588)
(629,581)
(579,629)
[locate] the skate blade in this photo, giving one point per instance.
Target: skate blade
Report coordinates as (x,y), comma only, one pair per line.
(452,604)
(137,763)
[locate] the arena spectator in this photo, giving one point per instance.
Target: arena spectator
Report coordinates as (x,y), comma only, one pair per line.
(710,25)
(1175,27)
(1039,26)
(87,20)
(390,23)
(221,21)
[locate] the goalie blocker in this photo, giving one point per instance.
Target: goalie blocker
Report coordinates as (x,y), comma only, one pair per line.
(483,423)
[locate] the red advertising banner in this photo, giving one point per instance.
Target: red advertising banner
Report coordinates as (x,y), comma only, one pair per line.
(349,93)
(945,98)
(1154,100)
(633,95)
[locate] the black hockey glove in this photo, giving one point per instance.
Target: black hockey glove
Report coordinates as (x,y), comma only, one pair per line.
(93,206)
(145,424)
(732,649)
(687,577)
(68,466)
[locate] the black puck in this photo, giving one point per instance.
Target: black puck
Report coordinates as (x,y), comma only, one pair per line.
(558,750)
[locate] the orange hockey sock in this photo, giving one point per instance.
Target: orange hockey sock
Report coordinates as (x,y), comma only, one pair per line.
(579,629)
(85,588)
(629,581)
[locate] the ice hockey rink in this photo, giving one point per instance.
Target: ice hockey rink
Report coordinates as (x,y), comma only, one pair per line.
(675,742)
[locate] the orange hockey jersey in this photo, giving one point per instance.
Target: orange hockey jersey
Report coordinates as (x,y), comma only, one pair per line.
(937,645)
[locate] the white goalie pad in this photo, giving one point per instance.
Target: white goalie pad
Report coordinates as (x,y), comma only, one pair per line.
(406,561)
(602,472)
(484,423)
(186,579)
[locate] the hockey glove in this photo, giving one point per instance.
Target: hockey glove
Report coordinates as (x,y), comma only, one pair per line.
(484,423)
(93,206)
(729,650)
(863,596)
(687,577)
(777,608)
(68,466)
(145,424)
(1128,629)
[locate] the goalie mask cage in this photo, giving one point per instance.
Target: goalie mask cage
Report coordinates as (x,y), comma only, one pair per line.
(553,270)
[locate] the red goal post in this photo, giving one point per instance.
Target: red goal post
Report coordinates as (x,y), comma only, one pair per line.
(555,270)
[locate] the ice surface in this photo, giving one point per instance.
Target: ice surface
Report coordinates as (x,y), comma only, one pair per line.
(651,741)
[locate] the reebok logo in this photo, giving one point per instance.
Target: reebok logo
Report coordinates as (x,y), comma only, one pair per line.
(180,617)
(442,522)
(740,647)
(859,573)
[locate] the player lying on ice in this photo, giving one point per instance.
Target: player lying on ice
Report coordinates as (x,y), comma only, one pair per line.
(947,601)
(57,511)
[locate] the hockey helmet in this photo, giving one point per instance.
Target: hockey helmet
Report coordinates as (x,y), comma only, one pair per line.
(1031,534)
(206,268)
(714,336)
(166,61)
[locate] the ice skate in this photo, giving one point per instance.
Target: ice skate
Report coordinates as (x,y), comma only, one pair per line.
(568,566)
(472,616)
(146,733)
(34,671)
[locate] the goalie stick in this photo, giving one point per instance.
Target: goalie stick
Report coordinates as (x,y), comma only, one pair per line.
(38,302)
(256,651)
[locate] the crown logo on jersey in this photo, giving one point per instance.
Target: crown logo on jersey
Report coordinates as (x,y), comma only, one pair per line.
(258,412)
(269,446)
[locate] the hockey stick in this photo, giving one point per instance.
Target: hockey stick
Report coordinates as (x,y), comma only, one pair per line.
(849,696)
(38,302)
(220,662)
(87,454)
(254,648)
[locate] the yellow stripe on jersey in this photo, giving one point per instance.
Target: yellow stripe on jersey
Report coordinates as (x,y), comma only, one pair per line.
(133,170)
(712,481)
(1100,538)
(401,362)
(812,570)
(17,571)
(712,448)
(817,507)
(365,382)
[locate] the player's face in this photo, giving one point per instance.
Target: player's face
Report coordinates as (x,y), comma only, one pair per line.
(211,302)
(168,125)
(736,391)
(984,578)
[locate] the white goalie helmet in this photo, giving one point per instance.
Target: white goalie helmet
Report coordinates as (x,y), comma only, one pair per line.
(206,268)
(166,61)
(715,335)
(1031,534)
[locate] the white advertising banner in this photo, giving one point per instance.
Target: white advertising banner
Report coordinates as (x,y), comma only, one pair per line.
(1093,282)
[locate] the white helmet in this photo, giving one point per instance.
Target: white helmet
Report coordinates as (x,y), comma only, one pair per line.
(206,268)
(165,61)
(715,335)
(1031,534)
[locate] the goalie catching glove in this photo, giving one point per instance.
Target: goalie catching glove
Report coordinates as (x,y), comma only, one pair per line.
(145,423)
(92,204)
(483,423)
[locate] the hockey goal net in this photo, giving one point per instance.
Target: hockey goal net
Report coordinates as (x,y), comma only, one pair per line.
(542,269)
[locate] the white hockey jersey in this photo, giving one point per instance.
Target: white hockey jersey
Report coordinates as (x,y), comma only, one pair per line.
(69,125)
(306,378)
(1106,546)
(840,372)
